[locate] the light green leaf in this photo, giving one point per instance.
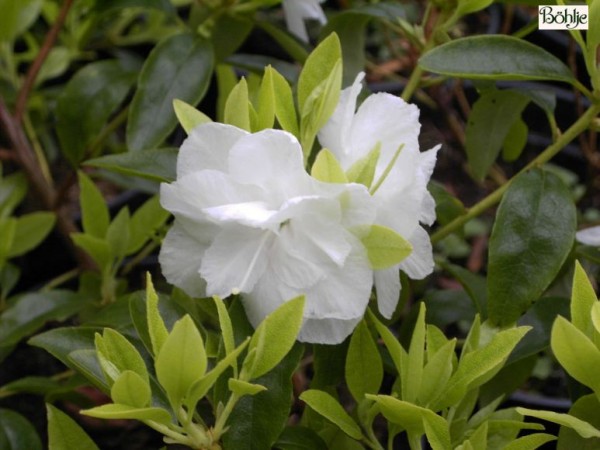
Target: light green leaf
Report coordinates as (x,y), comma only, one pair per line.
(118,411)
(179,67)
(237,106)
(285,111)
(30,230)
(265,109)
(490,121)
(17,17)
(327,168)
(364,368)
(8,229)
(130,389)
(469,6)
(593,33)
(412,372)
(181,360)
(532,236)
(117,235)
(576,353)
(328,407)
(188,116)
(495,57)
(154,164)
(596,316)
(583,298)
(145,222)
(580,426)
(116,355)
(226,326)
(94,212)
(241,388)
(96,247)
(363,170)
(12,191)
(397,353)
(530,442)
(274,337)
(385,248)
(515,141)
(64,433)
(436,373)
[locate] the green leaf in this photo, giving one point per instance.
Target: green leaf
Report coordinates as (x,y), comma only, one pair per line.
(532,236)
(17,17)
(65,434)
(593,33)
(116,355)
(94,212)
(327,168)
(412,372)
(585,408)
(289,43)
(576,353)
(495,58)
(530,442)
(181,360)
(96,247)
(364,369)
(328,407)
(259,419)
(285,111)
(436,373)
(363,170)
(88,101)
(242,388)
(469,6)
(397,353)
(144,223)
(237,106)
(226,325)
(515,141)
(103,6)
(385,247)
(30,312)
(583,298)
(131,389)
(156,326)
(188,116)
(155,164)
(179,67)
(580,426)
(266,102)
(117,235)
(490,121)
(299,438)
(228,33)
(17,433)
(274,337)
(117,411)
(12,191)
(30,231)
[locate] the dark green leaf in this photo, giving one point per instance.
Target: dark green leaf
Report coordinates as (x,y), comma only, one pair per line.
(12,191)
(16,17)
(102,6)
(178,67)
(294,47)
(228,34)
(94,211)
(155,164)
(299,438)
(17,433)
(60,342)
(88,101)
(495,58)
(257,64)
(532,236)
(145,222)
(65,434)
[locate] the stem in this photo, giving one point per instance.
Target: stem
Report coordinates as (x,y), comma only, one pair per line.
(166,431)
(35,67)
(115,123)
(578,127)
(413,83)
(222,420)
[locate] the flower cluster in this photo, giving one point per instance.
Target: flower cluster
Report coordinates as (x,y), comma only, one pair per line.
(250,220)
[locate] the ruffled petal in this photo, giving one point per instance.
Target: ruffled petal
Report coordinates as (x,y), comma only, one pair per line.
(387,285)
(180,258)
(419,263)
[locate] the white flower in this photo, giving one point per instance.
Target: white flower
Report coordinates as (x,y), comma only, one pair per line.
(250,220)
(296,11)
(402,200)
(589,236)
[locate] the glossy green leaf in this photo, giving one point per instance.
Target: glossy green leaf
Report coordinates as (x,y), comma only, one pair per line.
(515,141)
(364,369)
(242,388)
(59,342)
(237,106)
(117,235)
(30,230)
(181,360)
(274,337)
(117,411)
(580,426)
(17,433)
(299,438)
(188,116)
(285,110)
(17,17)
(385,248)
(259,419)
(327,168)
(179,67)
(532,236)
(576,353)
(495,57)
(88,101)
(492,117)
(131,389)
(30,312)
(585,408)
(363,170)
(94,212)
(530,442)
(155,164)
(65,434)
(583,298)
(328,407)
(145,222)
(228,33)
(116,355)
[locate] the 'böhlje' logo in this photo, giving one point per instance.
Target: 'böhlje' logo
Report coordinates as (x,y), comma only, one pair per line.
(556,17)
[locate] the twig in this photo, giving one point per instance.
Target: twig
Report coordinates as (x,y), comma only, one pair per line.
(36,65)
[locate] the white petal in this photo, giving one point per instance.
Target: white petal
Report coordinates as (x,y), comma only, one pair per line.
(295,11)
(589,236)
(387,284)
(235,260)
(327,331)
(207,147)
(420,262)
(426,166)
(253,214)
(180,258)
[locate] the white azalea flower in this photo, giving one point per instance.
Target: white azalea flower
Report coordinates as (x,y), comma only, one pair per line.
(250,220)
(297,11)
(402,200)
(589,236)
